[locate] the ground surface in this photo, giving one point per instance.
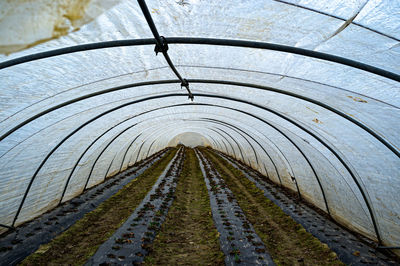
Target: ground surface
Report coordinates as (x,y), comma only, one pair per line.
(78,244)
(287,241)
(188,235)
(183,207)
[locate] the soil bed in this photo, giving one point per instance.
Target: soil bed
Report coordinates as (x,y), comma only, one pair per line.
(130,243)
(239,241)
(188,235)
(350,247)
(27,238)
(287,241)
(76,245)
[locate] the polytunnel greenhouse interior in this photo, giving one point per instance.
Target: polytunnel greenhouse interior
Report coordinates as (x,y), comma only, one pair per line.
(198,132)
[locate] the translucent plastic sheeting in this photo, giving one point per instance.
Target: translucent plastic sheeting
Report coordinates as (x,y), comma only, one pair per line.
(61,158)
(272,21)
(366,31)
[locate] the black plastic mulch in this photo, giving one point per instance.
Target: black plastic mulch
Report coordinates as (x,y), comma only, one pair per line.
(239,242)
(352,249)
(131,242)
(26,239)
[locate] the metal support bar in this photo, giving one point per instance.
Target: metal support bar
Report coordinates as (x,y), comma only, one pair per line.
(162,46)
(233,128)
(366,200)
(273,163)
(108,169)
(140,149)
(363,193)
(223,82)
(129,146)
(207,41)
(308,161)
(148,151)
(230,144)
(105,148)
(234,140)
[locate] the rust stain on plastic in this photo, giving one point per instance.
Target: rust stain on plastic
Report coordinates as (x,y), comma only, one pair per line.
(312,110)
(316,120)
(357,99)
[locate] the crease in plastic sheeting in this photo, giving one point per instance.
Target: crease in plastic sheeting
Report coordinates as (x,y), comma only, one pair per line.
(345,24)
(24,24)
(382,15)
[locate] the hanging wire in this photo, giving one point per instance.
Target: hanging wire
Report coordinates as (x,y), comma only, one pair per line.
(162,46)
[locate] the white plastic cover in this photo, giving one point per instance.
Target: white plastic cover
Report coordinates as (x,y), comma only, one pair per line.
(365,31)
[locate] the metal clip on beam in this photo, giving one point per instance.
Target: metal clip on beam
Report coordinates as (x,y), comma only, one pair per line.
(185,84)
(161,47)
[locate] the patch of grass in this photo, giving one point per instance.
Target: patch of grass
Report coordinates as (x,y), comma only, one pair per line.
(77,244)
(287,241)
(188,235)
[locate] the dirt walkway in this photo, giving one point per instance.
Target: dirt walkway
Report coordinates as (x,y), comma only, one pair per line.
(188,235)
(287,241)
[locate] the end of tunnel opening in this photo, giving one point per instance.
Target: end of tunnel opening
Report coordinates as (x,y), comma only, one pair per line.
(189,139)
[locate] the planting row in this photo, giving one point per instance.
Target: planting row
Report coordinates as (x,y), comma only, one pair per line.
(239,241)
(130,243)
(25,239)
(351,248)
(79,242)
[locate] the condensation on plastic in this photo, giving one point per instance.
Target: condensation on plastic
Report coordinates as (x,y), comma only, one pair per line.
(31,88)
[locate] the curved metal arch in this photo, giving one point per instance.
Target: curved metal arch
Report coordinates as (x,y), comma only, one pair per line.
(221,82)
(365,198)
(236,129)
(70,135)
(234,140)
(219,134)
(174,122)
(148,150)
(118,135)
(285,76)
(273,163)
(204,41)
(210,67)
(233,128)
(129,146)
(108,169)
(98,157)
(308,161)
(307,99)
(221,97)
(237,132)
(311,166)
(230,144)
(217,145)
(137,156)
(93,142)
(298,190)
(301,152)
(226,147)
(281,153)
(225,139)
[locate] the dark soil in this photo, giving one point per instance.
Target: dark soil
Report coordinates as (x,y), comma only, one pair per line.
(288,242)
(188,235)
(76,245)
